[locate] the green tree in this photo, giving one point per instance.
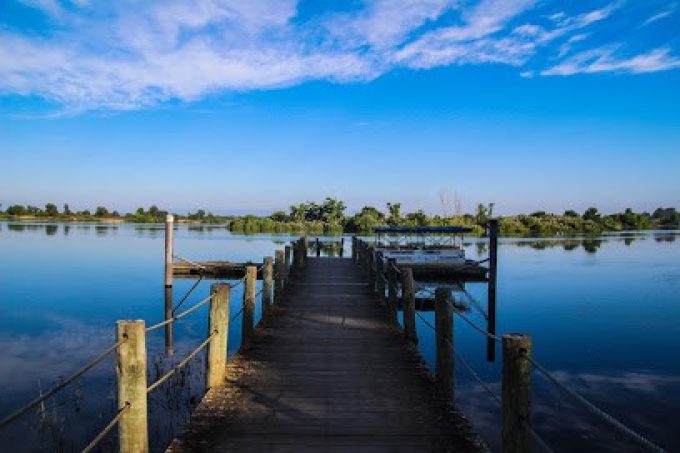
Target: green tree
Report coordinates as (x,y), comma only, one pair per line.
(101,211)
(571,213)
(51,210)
(67,210)
(591,214)
(394,210)
(279,216)
(16,209)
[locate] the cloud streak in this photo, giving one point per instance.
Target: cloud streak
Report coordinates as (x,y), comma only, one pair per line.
(130,55)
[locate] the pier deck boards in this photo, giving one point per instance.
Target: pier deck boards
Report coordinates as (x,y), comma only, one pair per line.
(326,371)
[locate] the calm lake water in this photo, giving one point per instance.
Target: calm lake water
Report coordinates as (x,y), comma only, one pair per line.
(604,315)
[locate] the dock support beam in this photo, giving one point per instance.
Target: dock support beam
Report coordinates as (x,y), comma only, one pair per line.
(443,317)
(515,396)
(169,227)
(491,297)
(218,326)
(133,433)
(248,326)
(279,274)
(267,277)
(408,300)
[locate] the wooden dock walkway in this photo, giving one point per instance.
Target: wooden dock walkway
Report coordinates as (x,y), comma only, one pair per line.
(327,371)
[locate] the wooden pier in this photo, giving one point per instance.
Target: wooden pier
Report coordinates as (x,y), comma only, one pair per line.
(328,369)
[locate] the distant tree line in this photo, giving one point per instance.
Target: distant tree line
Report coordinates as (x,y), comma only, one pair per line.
(329,217)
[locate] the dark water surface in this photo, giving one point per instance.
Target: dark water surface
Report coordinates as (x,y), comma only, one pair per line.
(604,315)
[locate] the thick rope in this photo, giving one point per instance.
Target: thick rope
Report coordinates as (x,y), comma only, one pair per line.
(179,315)
(188,293)
(106,429)
(614,422)
(21,411)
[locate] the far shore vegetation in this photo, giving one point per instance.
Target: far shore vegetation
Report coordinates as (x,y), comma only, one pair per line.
(329,217)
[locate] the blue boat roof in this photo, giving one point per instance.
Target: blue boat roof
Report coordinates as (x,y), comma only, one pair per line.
(422,230)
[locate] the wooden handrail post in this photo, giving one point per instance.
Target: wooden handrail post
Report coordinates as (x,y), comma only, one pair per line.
(342,247)
(380,276)
(133,432)
(318,248)
(169,229)
(443,317)
(392,297)
(298,254)
(286,260)
(218,326)
(408,300)
(248,325)
(516,394)
(279,273)
(267,277)
(305,249)
(370,263)
(354,248)
(491,287)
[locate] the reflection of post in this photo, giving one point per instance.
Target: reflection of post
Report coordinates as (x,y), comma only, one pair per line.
(491,298)
(169,223)
(169,348)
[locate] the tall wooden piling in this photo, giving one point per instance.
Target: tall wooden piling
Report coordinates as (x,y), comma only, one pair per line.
(491,297)
(169,341)
(408,298)
(380,276)
(218,326)
(248,325)
(279,273)
(133,434)
(286,259)
(443,317)
(392,297)
(267,277)
(169,229)
(516,394)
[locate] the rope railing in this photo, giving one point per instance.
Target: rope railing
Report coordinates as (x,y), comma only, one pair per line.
(180,315)
(109,426)
(181,364)
(188,293)
(613,421)
(27,407)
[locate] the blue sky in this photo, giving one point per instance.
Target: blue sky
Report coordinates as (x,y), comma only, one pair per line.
(249,106)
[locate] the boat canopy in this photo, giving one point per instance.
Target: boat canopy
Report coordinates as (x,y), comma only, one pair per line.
(422,230)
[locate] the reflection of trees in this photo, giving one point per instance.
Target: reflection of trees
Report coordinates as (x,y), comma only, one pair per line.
(481,248)
(51,230)
(591,245)
(665,237)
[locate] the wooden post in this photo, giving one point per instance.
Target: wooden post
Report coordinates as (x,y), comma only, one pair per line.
(169,226)
(370,262)
(380,276)
(298,254)
(516,397)
(218,325)
(354,248)
(342,247)
(248,326)
(318,248)
(279,274)
(408,298)
(443,317)
(491,297)
(169,347)
(392,296)
(133,433)
(287,263)
(267,277)
(305,249)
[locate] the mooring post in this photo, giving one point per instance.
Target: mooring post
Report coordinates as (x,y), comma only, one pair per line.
(443,317)
(380,271)
(133,434)
(279,274)
(169,228)
(515,394)
(169,348)
(286,260)
(218,327)
(491,297)
(318,248)
(248,326)
(267,277)
(305,249)
(392,297)
(408,300)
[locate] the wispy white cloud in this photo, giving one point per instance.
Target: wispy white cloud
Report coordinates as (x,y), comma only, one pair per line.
(605,59)
(127,55)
